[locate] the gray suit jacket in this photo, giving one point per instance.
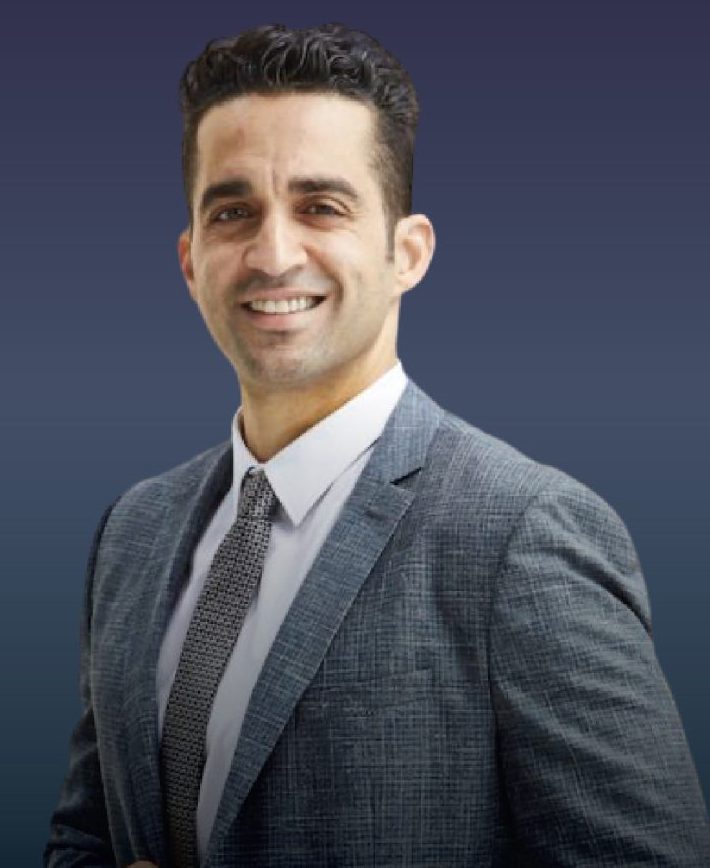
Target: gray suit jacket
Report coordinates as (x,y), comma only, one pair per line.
(466,677)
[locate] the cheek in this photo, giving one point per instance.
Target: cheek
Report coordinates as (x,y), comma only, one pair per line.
(215,279)
(212,264)
(341,256)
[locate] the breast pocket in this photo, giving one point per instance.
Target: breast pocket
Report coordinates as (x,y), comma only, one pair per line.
(364,698)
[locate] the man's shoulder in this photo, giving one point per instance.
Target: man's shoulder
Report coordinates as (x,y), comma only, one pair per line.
(482,469)
(175,483)
(489,488)
(490,463)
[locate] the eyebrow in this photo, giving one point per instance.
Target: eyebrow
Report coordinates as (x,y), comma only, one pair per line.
(240,186)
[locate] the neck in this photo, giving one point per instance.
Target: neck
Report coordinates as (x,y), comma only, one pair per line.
(273,419)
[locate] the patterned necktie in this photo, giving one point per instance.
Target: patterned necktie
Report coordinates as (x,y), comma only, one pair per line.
(229,589)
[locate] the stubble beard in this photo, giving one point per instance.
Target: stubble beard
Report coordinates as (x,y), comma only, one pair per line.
(279,367)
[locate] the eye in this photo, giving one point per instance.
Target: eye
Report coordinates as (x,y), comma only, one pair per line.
(226,214)
(329,208)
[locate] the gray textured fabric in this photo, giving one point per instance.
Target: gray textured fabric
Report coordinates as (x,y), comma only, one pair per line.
(466,677)
(228,591)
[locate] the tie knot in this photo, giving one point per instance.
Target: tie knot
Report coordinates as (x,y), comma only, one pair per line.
(257,499)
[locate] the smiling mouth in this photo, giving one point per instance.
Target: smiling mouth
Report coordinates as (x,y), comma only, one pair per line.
(282,306)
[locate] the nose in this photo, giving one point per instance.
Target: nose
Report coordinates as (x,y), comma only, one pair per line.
(276,247)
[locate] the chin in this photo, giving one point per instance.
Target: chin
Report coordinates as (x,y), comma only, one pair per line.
(283,373)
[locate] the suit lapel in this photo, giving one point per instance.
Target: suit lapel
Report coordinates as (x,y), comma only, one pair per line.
(162,577)
(348,555)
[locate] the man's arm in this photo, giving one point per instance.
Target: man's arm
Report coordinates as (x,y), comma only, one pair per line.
(79,833)
(596,767)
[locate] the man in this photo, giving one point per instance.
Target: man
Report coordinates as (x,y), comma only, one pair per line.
(362,632)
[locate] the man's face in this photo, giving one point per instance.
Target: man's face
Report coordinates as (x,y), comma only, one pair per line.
(262,230)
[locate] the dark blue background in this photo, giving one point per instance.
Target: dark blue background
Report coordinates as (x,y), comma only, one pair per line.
(563,157)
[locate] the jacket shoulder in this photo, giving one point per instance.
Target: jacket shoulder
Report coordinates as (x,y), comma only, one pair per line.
(492,476)
(493,465)
(172,485)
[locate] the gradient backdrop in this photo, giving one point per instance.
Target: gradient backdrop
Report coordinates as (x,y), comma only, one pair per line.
(563,157)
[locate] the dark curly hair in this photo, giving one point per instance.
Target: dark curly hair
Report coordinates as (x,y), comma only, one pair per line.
(330,58)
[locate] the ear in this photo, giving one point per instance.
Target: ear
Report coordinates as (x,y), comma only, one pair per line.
(414,246)
(184,249)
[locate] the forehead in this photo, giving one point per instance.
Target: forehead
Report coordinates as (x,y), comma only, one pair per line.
(286,134)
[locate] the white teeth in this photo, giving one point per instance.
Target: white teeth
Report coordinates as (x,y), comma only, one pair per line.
(283,306)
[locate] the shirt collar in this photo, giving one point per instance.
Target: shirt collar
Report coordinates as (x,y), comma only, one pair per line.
(302,472)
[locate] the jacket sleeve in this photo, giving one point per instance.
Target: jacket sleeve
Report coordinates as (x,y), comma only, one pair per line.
(596,767)
(79,831)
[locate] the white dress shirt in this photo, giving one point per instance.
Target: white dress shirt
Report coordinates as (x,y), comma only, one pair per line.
(312,478)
